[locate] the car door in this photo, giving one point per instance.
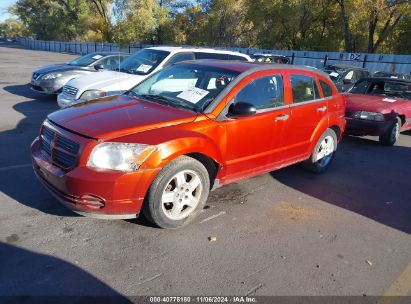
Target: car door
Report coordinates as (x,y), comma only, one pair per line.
(308,108)
(253,142)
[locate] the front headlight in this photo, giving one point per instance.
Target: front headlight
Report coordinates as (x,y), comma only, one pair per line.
(51,76)
(369,116)
(119,156)
(92,94)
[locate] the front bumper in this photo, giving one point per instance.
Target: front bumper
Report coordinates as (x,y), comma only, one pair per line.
(52,86)
(362,127)
(100,194)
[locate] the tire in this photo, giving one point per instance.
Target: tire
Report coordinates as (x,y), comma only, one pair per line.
(174,198)
(328,144)
(390,137)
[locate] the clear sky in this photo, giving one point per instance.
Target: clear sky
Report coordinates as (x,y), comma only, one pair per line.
(3,5)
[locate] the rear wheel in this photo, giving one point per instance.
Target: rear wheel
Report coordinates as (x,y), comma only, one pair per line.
(390,137)
(323,152)
(178,193)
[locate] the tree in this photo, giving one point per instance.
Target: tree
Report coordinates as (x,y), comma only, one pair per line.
(65,19)
(11,28)
(136,21)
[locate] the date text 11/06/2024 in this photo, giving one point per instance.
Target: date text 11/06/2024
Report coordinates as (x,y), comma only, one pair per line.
(204,299)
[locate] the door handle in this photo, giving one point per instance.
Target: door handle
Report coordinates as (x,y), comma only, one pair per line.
(282,117)
(322,109)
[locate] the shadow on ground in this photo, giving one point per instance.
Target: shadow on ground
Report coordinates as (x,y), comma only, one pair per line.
(17,179)
(365,177)
(27,275)
(25,91)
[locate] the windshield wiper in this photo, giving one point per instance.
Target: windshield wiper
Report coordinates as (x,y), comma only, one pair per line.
(169,101)
(124,70)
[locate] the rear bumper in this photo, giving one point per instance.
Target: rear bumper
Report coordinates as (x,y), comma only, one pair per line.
(98,194)
(361,127)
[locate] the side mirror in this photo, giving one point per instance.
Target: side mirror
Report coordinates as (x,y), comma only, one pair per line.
(241,109)
(347,81)
(99,67)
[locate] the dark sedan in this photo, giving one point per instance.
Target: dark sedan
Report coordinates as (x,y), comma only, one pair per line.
(379,107)
(344,76)
(50,79)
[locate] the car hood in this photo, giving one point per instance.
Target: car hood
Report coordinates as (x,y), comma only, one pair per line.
(57,68)
(118,116)
(370,103)
(108,80)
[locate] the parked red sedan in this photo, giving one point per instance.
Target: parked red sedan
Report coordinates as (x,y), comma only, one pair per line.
(189,128)
(379,107)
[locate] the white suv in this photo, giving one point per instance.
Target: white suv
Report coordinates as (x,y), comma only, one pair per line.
(135,69)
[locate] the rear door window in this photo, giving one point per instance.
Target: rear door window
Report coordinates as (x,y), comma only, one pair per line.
(263,93)
(304,88)
(180,57)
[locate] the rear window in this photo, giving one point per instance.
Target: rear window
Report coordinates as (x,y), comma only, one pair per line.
(359,88)
(327,90)
(304,88)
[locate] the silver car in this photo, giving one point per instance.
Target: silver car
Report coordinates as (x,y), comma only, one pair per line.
(50,79)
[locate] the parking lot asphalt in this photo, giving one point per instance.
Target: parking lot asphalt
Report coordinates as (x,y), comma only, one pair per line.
(290,232)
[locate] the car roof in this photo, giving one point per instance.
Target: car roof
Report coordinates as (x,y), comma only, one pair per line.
(242,66)
(174,49)
(385,79)
(109,53)
(267,55)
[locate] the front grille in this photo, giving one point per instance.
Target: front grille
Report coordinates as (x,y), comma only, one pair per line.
(71,91)
(61,150)
(348,114)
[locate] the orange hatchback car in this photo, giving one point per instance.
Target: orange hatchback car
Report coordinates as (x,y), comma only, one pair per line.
(161,147)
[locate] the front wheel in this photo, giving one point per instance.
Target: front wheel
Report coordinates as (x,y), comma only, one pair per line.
(178,193)
(390,137)
(323,153)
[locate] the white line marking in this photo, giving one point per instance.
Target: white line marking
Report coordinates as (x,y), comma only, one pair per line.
(212,217)
(150,279)
(15,167)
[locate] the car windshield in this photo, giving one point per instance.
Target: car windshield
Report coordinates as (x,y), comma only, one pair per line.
(85,60)
(143,62)
(383,88)
(188,86)
(334,73)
